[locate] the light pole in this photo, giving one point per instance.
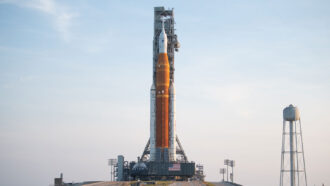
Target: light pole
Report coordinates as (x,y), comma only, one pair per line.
(112,163)
(223,171)
(226,162)
(232,165)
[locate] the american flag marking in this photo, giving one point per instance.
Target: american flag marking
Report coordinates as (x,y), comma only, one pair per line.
(174,167)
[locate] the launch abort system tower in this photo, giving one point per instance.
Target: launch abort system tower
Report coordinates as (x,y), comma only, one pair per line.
(163,156)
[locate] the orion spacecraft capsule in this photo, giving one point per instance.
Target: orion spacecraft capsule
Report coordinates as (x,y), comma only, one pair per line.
(162,108)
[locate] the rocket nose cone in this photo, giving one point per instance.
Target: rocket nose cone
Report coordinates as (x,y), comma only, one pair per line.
(162,40)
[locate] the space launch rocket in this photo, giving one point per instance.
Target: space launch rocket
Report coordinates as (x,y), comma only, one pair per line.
(162,108)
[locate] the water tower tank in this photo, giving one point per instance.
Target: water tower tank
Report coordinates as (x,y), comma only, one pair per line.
(293,172)
(291,113)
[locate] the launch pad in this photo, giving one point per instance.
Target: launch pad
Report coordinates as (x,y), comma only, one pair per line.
(165,171)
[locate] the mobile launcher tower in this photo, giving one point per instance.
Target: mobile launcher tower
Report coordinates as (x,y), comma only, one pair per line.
(163,157)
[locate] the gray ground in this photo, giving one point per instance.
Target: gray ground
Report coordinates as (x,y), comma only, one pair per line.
(109,183)
(176,183)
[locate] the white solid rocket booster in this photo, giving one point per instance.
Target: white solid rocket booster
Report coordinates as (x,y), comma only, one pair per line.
(152,122)
(172,134)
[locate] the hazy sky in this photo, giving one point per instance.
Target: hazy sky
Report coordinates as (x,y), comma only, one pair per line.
(75,79)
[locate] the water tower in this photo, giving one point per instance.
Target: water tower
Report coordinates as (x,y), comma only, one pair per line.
(293,171)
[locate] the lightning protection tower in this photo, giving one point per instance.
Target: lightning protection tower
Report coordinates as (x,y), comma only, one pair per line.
(293,171)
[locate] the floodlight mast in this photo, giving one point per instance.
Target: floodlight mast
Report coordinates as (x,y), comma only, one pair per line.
(226,162)
(223,171)
(112,163)
(232,164)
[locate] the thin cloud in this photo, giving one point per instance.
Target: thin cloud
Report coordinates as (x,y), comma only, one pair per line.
(62,17)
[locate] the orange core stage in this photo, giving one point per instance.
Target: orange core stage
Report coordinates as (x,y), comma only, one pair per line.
(162,101)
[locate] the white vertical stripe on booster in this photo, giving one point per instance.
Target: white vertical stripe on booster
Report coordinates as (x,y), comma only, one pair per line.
(152,122)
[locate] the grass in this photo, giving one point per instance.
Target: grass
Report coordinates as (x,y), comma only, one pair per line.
(208,184)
